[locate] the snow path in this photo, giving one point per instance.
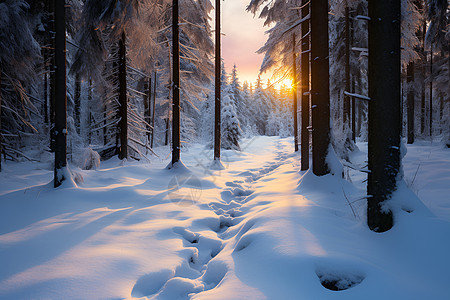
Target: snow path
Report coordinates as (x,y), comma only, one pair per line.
(202,274)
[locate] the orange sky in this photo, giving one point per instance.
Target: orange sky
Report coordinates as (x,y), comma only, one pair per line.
(243,36)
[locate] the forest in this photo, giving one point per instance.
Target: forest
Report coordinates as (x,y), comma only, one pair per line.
(134,166)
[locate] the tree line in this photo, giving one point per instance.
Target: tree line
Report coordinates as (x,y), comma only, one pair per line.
(357,68)
(121,76)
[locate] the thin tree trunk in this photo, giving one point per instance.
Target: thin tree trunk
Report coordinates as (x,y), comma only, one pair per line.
(123,101)
(353,101)
(46,70)
(60,94)
(294,91)
(320,95)
(304,89)
(176,142)
(52,74)
(410,102)
(431,92)
(424,71)
(347,99)
(217,92)
(353,81)
(384,109)
(1,136)
(147,104)
(77,101)
(153,112)
(90,113)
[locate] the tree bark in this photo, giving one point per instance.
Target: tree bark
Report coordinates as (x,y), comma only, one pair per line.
(123,101)
(147,105)
(384,110)
(347,99)
(410,102)
(424,71)
(52,73)
(1,136)
(217,92)
(320,90)
(294,92)
(60,94)
(77,100)
(176,142)
(46,70)
(353,79)
(304,89)
(90,113)
(153,112)
(431,93)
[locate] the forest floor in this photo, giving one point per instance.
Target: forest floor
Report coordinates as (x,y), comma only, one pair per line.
(258,229)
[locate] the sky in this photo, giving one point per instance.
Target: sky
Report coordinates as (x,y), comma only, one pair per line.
(243,36)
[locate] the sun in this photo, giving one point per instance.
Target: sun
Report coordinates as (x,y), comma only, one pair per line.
(285,83)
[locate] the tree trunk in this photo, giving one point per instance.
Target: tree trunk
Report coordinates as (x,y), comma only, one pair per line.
(304,89)
(353,101)
(60,94)
(52,74)
(46,70)
(147,104)
(1,136)
(123,101)
(431,93)
(347,99)
(77,101)
(217,92)
(353,78)
(176,143)
(294,91)
(384,109)
(320,90)
(90,113)
(153,112)
(424,71)
(410,102)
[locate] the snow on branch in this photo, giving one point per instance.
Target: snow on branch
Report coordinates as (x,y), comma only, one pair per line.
(362,97)
(299,22)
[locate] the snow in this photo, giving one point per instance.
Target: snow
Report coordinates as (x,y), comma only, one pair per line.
(257,229)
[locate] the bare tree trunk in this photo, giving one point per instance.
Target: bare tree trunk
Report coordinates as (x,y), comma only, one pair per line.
(147,104)
(424,68)
(294,91)
(123,101)
(410,102)
(77,101)
(347,99)
(153,112)
(304,89)
(431,93)
(1,136)
(353,101)
(60,94)
(217,92)
(90,113)
(176,142)
(46,70)
(320,89)
(384,109)
(52,74)
(353,78)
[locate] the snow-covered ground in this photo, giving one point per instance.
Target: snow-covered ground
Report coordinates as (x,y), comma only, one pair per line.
(259,229)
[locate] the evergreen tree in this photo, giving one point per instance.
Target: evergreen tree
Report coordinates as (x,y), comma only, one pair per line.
(231,131)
